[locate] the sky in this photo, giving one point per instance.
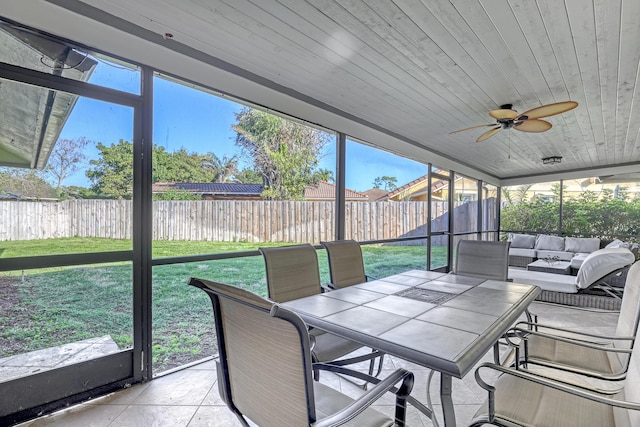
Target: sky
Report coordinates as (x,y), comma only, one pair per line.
(199,122)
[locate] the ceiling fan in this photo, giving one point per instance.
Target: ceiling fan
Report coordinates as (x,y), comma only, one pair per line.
(529,121)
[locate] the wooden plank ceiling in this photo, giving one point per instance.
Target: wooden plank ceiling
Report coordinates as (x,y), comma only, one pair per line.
(421,69)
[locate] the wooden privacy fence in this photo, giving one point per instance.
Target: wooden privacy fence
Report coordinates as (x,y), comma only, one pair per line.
(230,220)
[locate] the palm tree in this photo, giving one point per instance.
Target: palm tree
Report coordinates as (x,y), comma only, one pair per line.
(223,168)
(516,196)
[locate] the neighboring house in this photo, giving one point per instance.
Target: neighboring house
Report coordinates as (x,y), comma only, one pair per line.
(323,191)
(377,195)
(10,196)
(213,190)
(417,190)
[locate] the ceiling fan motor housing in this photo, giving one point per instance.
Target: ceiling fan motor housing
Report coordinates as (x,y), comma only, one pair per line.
(506,123)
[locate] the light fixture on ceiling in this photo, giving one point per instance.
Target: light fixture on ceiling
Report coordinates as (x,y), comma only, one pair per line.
(551,160)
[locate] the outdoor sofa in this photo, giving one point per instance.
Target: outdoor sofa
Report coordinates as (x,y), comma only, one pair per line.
(602,274)
(527,248)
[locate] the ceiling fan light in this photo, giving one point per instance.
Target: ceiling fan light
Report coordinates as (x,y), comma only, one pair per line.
(551,160)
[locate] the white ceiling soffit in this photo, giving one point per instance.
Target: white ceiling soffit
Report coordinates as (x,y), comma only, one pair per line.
(401,74)
(31,118)
(620,179)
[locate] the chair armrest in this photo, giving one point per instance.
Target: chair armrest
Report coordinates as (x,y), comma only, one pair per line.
(578,346)
(370,396)
(556,328)
(563,387)
(523,333)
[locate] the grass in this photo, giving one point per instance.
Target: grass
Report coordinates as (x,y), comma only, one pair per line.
(67,304)
(160,248)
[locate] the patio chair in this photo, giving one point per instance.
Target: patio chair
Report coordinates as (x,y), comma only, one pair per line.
(346,266)
(264,368)
(292,273)
(482,259)
(519,398)
(593,355)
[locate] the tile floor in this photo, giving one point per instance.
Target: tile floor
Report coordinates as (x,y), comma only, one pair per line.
(189,397)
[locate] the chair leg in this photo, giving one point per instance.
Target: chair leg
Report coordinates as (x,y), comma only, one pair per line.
(372,363)
(401,412)
(496,353)
(316,371)
(380,361)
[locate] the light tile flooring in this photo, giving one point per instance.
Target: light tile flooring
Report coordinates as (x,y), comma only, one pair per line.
(189,397)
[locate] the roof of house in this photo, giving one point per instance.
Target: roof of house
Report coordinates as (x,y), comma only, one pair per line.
(377,194)
(209,188)
(321,191)
(326,191)
(407,186)
(435,185)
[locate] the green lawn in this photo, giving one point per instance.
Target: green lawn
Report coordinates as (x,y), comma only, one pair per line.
(54,306)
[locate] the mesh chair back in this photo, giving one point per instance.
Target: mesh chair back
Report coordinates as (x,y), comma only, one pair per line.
(631,390)
(292,272)
(629,312)
(346,266)
(482,259)
(265,359)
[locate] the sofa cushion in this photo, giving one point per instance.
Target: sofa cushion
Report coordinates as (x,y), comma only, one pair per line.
(525,241)
(577,259)
(581,244)
(531,253)
(562,255)
(549,243)
(547,281)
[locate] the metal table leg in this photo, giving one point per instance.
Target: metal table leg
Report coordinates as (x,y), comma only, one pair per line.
(447,403)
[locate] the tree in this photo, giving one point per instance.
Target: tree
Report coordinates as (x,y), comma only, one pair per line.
(223,168)
(177,195)
(112,173)
(324,175)
(284,152)
(515,196)
(388,182)
(181,166)
(25,183)
(76,192)
(606,217)
(248,176)
(66,158)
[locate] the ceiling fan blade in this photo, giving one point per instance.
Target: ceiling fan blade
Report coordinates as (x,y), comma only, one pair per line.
(549,110)
(488,134)
(532,125)
(472,127)
(503,114)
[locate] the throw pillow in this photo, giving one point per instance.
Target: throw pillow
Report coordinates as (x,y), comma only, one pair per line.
(617,243)
(549,243)
(581,244)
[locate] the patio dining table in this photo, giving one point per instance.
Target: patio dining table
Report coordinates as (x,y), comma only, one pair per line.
(441,321)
